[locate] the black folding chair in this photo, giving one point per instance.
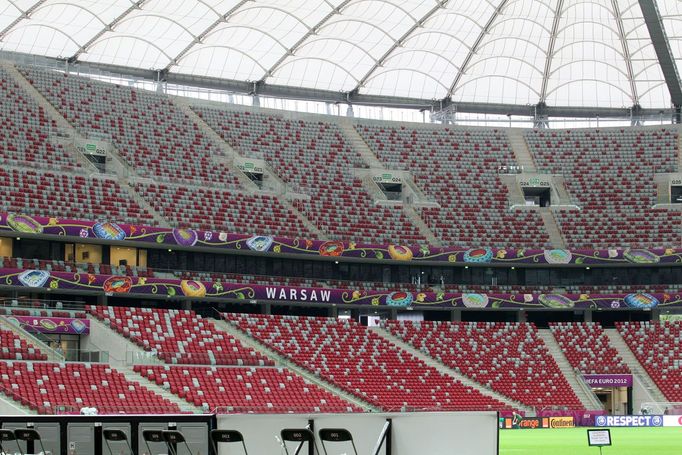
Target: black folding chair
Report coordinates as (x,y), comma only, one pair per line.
(300,435)
(226,436)
(28,435)
(152,436)
(116,436)
(336,435)
(172,439)
(6,436)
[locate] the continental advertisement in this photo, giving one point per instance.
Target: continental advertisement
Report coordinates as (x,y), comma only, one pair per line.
(561,422)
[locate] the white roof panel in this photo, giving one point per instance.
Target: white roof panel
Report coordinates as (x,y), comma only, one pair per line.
(563,52)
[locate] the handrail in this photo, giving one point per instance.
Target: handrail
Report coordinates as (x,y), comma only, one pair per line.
(586,389)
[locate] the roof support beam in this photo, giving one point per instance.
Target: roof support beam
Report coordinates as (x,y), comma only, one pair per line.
(549,56)
(305,36)
(134,6)
(399,42)
(477,44)
(329,96)
(199,38)
(654,24)
(24,15)
(626,51)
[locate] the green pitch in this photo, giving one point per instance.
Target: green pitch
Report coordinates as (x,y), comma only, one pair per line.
(573,441)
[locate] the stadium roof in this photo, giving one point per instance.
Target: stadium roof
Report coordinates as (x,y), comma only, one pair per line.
(572,53)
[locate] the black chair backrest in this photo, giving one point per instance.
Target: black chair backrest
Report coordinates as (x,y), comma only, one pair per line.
(335,435)
(114,435)
(226,436)
(297,435)
(172,436)
(7,435)
(153,435)
(26,434)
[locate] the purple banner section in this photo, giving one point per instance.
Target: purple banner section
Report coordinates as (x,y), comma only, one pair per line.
(112,285)
(608,380)
(334,249)
(48,324)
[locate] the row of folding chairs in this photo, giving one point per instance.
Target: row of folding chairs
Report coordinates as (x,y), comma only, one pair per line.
(300,436)
(173,438)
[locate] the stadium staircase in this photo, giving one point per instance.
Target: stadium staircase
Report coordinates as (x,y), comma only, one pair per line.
(11,407)
(115,163)
(358,143)
(430,361)
(582,391)
(184,405)
(52,355)
(227,158)
(129,188)
(62,123)
(520,148)
(251,342)
(638,372)
(552,228)
(123,353)
(420,224)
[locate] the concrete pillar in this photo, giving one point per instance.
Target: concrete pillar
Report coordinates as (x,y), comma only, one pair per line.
(655,315)
(456,315)
(522,316)
(587,316)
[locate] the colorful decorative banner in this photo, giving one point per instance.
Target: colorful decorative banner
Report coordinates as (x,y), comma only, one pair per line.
(334,249)
(48,324)
(608,380)
(112,285)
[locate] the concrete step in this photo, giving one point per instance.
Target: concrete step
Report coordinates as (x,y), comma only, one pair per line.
(430,361)
(552,228)
(52,112)
(251,342)
(184,405)
(584,393)
(52,355)
(644,387)
(159,220)
(227,153)
(314,230)
(358,143)
(10,407)
(520,148)
(420,224)
(121,351)
(514,193)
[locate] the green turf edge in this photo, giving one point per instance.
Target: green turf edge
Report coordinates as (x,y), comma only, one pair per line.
(573,441)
